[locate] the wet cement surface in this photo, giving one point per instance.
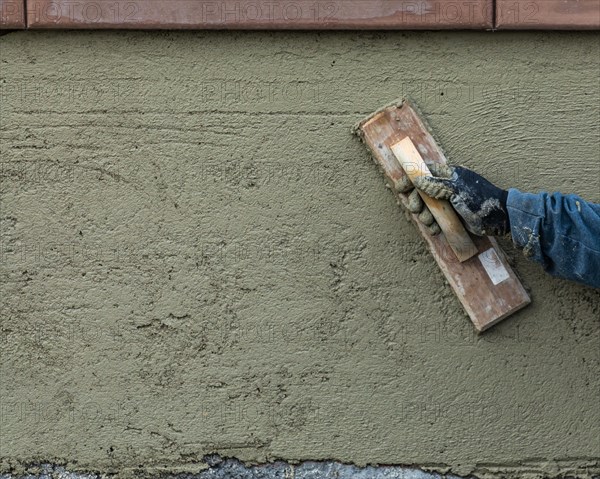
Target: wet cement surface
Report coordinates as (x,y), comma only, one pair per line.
(198,257)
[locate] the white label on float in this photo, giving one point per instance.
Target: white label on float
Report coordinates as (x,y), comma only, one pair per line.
(493,266)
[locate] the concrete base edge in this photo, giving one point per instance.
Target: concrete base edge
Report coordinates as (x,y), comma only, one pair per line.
(221,468)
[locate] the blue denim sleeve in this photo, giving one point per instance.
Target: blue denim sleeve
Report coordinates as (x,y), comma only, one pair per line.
(561,232)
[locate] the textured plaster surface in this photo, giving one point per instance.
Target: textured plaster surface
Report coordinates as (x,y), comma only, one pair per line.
(198,257)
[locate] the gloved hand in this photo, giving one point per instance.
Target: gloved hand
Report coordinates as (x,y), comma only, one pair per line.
(416,205)
(481,205)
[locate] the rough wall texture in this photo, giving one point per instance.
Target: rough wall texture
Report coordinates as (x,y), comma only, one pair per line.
(198,257)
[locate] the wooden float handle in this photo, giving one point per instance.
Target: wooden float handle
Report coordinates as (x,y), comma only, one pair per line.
(458,238)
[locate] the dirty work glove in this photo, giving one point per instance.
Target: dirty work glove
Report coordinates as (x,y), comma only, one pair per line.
(481,205)
(416,205)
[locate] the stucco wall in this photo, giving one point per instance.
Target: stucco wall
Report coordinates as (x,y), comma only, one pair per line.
(198,256)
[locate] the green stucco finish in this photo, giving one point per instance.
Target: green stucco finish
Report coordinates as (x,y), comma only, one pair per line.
(199,257)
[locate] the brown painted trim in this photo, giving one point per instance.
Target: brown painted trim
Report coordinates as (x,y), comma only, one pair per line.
(548,14)
(262,14)
(303,14)
(12,14)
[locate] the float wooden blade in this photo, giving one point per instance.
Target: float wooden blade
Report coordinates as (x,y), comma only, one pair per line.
(485,284)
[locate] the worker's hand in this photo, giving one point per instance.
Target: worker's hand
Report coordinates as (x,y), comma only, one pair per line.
(481,205)
(416,205)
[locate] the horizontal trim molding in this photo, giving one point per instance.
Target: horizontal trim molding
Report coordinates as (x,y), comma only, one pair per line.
(548,14)
(302,14)
(262,14)
(12,14)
